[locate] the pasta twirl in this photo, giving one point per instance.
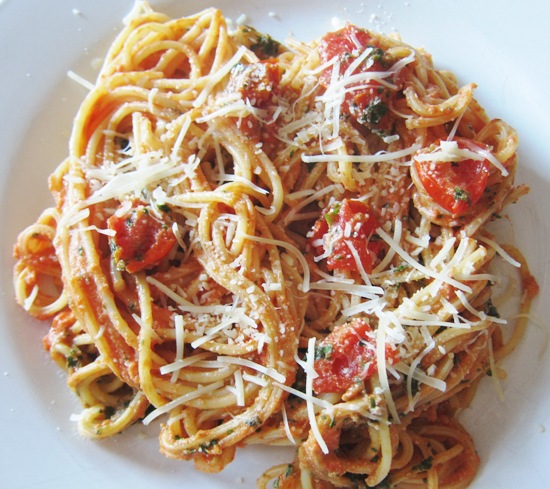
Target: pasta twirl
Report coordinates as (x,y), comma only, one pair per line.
(264,243)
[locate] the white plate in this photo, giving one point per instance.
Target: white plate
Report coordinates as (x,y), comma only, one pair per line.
(504,50)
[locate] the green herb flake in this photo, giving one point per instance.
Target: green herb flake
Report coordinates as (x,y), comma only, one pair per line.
(332,213)
(423,466)
(164,208)
(265,47)
(253,422)
(74,359)
(374,112)
(207,447)
(323,352)
(378,54)
(462,195)
(109,412)
(491,310)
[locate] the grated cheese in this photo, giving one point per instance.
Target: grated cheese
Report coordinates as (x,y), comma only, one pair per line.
(270,372)
(29,300)
(216,77)
(426,271)
(448,151)
(500,250)
(80,80)
(189,396)
(179,330)
(309,395)
(375,158)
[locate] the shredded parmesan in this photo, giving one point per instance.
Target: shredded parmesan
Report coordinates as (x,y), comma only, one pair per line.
(193,394)
(82,81)
(270,372)
(375,158)
(426,271)
(216,77)
(309,395)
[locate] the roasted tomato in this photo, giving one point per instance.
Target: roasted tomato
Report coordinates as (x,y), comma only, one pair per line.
(450,177)
(141,240)
(257,83)
(366,99)
(347,357)
(343,228)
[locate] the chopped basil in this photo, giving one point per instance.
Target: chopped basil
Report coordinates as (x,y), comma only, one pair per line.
(265,47)
(109,412)
(379,55)
(164,208)
(374,112)
(323,352)
(331,214)
(253,422)
(207,447)
(491,310)
(462,195)
(426,464)
(74,359)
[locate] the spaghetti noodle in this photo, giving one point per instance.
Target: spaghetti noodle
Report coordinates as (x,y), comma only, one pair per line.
(278,244)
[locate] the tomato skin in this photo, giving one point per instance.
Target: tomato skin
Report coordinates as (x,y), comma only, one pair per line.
(141,241)
(346,357)
(259,85)
(348,222)
(368,105)
(258,82)
(341,44)
(455,186)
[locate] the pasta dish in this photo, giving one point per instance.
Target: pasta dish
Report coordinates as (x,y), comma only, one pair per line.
(280,243)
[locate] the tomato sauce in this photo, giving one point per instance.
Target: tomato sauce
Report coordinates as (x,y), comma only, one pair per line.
(141,240)
(369,104)
(346,357)
(343,227)
(456,186)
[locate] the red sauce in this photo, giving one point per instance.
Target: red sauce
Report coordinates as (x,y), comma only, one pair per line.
(455,186)
(141,240)
(370,104)
(346,357)
(350,222)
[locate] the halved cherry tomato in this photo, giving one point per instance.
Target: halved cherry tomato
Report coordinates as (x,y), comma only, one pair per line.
(347,357)
(456,185)
(141,240)
(345,226)
(345,45)
(368,105)
(258,82)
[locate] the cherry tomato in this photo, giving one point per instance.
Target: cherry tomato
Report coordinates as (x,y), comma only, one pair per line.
(457,185)
(258,82)
(350,222)
(367,105)
(141,240)
(346,357)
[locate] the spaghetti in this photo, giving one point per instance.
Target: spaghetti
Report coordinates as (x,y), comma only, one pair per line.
(278,244)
